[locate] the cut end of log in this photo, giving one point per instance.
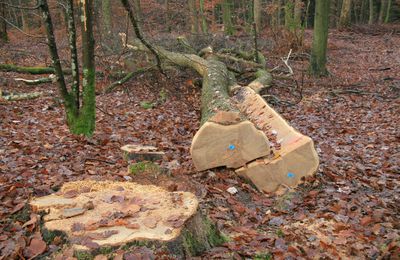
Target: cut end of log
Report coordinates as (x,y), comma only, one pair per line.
(95,214)
(216,145)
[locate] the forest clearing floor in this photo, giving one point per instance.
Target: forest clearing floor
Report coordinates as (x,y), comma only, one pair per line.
(350,209)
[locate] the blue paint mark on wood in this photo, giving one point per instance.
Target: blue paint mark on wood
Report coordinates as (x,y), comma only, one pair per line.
(290,174)
(231,147)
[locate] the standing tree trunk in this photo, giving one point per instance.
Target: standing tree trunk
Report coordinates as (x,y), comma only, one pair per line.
(257,7)
(80,118)
(3,24)
(320,38)
(85,124)
(298,9)
(333,16)
(289,14)
(388,8)
(345,14)
(227,17)
(382,11)
(204,27)
(106,14)
(138,11)
(194,23)
(371,12)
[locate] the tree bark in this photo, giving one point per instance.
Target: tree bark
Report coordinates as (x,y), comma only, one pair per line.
(204,26)
(382,11)
(344,20)
(388,10)
(3,24)
(106,15)
(227,17)
(257,7)
(320,39)
(73,50)
(194,23)
(371,12)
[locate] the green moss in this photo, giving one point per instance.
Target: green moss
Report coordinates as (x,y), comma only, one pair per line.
(23,215)
(83,255)
(280,233)
(162,96)
(50,235)
(147,104)
(195,244)
(215,237)
(263,256)
(192,244)
(144,166)
(30,70)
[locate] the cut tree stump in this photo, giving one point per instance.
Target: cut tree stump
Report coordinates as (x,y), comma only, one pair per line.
(133,152)
(99,214)
(294,154)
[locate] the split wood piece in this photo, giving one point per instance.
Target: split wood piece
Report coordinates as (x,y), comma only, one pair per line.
(296,157)
(232,146)
(115,213)
(132,152)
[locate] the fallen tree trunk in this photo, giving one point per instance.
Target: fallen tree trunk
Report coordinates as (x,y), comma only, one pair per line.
(39,81)
(29,70)
(225,138)
(18,96)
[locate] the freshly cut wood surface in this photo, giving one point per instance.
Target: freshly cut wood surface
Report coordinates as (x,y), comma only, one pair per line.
(294,155)
(141,153)
(232,146)
(95,214)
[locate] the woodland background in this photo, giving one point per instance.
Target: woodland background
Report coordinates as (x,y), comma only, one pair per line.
(350,209)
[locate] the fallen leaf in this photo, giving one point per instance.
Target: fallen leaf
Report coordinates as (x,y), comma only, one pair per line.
(35,248)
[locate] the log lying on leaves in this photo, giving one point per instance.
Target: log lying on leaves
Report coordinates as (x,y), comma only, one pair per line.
(51,78)
(29,70)
(18,96)
(98,214)
(220,141)
(238,128)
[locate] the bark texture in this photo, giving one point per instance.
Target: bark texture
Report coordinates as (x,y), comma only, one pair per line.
(320,38)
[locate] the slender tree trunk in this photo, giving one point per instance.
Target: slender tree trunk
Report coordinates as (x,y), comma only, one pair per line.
(204,27)
(138,11)
(298,10)
(382,11)
(320,38)
(73,50)
(333,16)
(85,124)
(371,12)
(345,14)
(257,7)
(194,24)
(166,16)
(289,14)
(106,15)
(227,17)
(388,9)
(3,24)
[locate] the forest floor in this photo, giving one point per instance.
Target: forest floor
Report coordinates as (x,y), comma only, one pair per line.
(350,209)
